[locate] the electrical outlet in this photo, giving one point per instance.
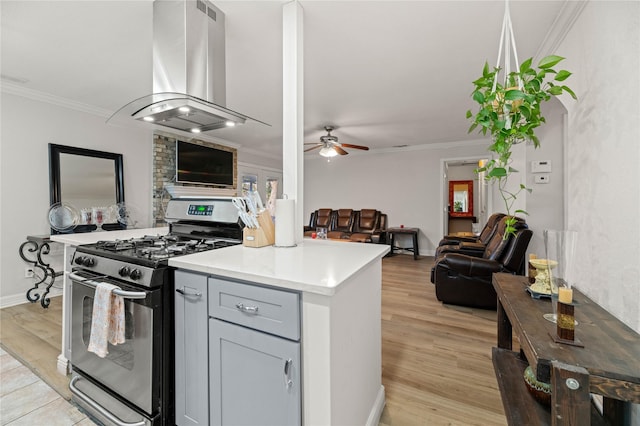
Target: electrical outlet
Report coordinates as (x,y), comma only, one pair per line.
(28,272)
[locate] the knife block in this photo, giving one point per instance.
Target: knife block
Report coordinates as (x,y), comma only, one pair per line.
(260,237)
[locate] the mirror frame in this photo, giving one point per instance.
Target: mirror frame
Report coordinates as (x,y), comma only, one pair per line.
(55,190)
(452,184)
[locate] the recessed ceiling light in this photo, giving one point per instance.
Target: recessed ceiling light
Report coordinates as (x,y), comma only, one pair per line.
(148,118)
(230,123)
(195,130)
(184,109)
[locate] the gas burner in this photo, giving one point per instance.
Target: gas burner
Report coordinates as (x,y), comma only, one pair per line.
(116,245)
(177,249)
(153,253)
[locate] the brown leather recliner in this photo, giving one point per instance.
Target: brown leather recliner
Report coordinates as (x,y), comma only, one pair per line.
(466,280)
(342,224)
(368,226)
(470,245)
(484,236)
(321,218)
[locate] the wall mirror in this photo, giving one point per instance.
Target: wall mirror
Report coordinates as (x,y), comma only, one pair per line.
(461,198)
(84,179)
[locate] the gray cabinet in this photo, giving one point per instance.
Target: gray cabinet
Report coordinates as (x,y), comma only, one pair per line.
(255,377)
(191,349)
(237,353)
(254,355)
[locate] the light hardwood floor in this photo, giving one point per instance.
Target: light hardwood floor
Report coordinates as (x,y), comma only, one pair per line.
(436,359)
(27,363)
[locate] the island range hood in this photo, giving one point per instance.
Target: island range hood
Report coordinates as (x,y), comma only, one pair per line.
(189,84)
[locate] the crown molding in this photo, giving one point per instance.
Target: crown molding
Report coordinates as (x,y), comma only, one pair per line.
(36,95)
(571,10)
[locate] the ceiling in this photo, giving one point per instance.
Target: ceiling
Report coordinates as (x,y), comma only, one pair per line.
(384,73)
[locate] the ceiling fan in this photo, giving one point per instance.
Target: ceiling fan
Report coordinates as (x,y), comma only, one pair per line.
(330,145)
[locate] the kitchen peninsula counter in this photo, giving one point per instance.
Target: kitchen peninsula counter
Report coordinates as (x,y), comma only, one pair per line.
(314,266)
(340,288)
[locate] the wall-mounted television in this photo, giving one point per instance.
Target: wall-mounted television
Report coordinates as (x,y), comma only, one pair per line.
(203,165)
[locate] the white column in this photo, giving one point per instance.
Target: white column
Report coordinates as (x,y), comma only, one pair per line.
(292,110)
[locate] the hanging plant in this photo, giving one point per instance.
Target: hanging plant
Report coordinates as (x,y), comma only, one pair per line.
(510,113)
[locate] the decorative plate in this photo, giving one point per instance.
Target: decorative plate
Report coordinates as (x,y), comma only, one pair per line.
(63,217)
(535,295)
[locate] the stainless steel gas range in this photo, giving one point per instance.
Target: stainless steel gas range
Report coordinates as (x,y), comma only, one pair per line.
(133,384)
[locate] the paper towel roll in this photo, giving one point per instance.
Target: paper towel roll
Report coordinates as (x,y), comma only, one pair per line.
(285,223)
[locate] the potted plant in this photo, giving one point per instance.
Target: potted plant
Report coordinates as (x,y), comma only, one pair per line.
(510,113)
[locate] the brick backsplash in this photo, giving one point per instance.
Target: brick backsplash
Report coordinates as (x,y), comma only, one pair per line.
(164,170)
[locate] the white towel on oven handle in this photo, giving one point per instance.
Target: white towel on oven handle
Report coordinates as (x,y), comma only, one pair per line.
(107,321)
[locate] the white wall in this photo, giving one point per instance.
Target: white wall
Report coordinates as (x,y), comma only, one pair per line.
(545,203)
(604,152)
(28,126)
(404,184)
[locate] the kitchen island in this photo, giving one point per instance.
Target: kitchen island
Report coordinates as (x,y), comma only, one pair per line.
(340,297)
(71,241)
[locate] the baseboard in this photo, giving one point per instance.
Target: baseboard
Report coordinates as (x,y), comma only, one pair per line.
(376,410)
(18,299)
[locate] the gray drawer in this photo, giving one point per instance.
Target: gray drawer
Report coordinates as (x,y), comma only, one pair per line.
(266,309)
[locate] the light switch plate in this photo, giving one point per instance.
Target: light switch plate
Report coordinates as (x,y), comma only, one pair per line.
(543,166)
(542,178)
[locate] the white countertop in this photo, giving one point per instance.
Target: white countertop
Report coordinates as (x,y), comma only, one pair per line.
(315,266)
(93,237)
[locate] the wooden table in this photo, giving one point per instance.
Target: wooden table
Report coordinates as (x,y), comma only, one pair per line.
(608,365)
(410,231)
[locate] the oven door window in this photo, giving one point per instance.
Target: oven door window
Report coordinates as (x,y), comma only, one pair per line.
(122,354)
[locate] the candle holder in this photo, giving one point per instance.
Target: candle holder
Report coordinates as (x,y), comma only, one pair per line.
(566,324)
(560,249)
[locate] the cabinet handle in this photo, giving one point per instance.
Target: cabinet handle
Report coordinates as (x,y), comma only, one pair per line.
(287,372)
(248,309)
(184,292)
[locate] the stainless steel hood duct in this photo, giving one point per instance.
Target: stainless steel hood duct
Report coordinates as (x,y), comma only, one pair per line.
(189,81)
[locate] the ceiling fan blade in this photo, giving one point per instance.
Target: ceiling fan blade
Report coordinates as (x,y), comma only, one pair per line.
(340,150)
(348,145)
(313,147)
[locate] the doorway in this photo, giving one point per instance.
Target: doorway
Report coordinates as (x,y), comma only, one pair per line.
(458,174)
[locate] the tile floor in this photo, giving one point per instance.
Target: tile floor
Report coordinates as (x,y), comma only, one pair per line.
(27,400)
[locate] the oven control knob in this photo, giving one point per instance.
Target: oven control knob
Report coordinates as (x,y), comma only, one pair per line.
(79,260)
(135,274)
(88,261)
(125,271)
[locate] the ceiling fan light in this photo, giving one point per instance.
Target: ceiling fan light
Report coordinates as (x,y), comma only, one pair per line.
(328,152)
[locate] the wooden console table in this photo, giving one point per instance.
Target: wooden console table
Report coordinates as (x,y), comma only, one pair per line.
(608,365)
